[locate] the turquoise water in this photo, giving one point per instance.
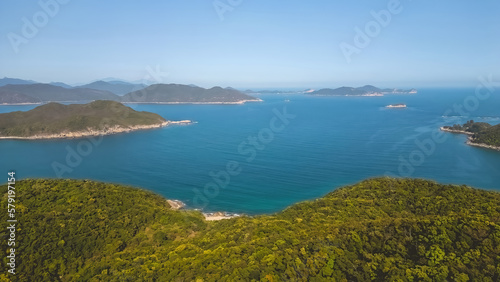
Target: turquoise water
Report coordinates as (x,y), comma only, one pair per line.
(331,142)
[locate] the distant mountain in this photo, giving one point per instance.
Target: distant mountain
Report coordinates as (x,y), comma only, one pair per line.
(367,90)
(61,84)
(178,93)
(49,93)
(7,80)
(55,120)
(12,97)
(117,87)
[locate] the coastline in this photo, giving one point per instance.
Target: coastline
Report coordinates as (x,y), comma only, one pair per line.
(209,216)
(214,216)
(160,103)
(455,131)
(94,133)
(197,103)
(470,142)
(470,139)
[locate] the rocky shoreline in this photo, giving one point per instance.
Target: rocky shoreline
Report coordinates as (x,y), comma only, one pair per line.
(470,139)
(455,131)
(470,142)
(209,216)
(92,133)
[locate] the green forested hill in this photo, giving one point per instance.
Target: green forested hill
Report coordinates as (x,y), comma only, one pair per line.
(490,136)
(482,132)
(55,118)
(380,229)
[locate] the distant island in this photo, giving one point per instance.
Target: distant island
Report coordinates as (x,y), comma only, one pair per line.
(182,94)
(18,91)
(481,134)
(53,121)
(367,90)
(380,229)
(396,106)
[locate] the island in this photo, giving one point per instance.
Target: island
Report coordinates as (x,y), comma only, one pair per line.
(381,229)
(30,92)
(481,134)
(367,90)
(396,106)
(54,121)
(187,94)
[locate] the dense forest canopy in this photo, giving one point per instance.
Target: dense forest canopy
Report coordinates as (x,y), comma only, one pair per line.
(380,229)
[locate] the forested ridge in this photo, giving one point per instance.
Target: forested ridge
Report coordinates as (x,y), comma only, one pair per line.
(380,229)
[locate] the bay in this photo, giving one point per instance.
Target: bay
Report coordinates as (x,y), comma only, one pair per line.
(330,142)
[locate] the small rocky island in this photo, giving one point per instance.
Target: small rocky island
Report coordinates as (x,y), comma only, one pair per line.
(54,121)
(481,134)
(396,106)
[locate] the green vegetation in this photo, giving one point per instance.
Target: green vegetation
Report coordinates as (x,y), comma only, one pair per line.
(470,127)
(178,93)
(490,136)
(380,229)
(41,93)
(482,132)
(54,118)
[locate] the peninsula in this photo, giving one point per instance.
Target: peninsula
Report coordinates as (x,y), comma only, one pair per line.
(481,134)
(54,121)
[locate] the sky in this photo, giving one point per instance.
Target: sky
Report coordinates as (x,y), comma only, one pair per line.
(252,43)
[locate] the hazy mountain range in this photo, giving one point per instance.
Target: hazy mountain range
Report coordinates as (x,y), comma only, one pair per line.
(115,86)
(13,90)
(16,91)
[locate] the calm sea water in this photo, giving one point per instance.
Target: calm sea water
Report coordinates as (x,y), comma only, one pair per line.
(331,142)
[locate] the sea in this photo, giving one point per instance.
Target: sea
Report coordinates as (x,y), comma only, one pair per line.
(260,157)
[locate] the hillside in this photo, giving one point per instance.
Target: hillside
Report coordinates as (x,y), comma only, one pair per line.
(55,120)
(118,88)
(380,229)
(489,136)
(13,97)
(178,93)
(49,93)
(481,134)
(367,90)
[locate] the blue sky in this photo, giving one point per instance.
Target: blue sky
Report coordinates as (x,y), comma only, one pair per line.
(258,43)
